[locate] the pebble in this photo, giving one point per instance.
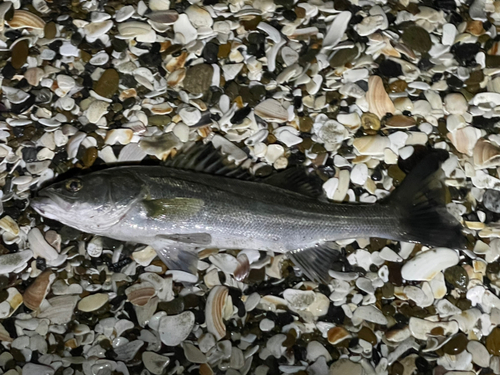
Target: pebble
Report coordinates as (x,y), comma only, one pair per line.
(107,85)
(491,200)
(14,262)
(427,264)
(93,302)
(198,78)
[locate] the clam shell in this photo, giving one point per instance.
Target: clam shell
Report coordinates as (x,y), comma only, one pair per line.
(371,145)
(121,136)
(337,334)
(272,111)
(4,334)
(174,329)
(25,19)
(140,294)
(464,139)
(425,265)
(486,155)
(421,328)
(377,98)
(36,292)
(216,303)
(8,224)
(400,121)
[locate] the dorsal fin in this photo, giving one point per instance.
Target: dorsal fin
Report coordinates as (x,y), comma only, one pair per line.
(208,159)
(298,180)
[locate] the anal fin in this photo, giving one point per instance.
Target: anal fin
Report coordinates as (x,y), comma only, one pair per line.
(315,261)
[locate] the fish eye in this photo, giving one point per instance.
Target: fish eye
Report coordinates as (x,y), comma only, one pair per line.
(74,185)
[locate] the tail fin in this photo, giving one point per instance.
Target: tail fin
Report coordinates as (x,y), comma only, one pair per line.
(420,201)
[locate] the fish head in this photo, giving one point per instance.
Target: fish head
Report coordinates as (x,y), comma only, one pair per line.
(91,203)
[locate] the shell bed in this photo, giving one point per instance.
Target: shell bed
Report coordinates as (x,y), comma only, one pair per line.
(360,90)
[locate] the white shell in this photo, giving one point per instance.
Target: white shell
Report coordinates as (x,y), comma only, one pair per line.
(184,30)
(465,139)
(174,329)
(39,245)
(427,264)
(272,111)
(337,29)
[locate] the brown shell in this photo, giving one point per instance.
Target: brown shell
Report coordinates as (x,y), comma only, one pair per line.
(36,292)
(214,309)
(25,19)
(140,294)
(377,98)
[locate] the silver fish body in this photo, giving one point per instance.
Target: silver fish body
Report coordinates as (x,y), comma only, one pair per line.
(179,212)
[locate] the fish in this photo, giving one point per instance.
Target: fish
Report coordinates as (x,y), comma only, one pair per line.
(195,203)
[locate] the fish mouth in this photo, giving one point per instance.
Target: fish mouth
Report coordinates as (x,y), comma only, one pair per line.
(46,201)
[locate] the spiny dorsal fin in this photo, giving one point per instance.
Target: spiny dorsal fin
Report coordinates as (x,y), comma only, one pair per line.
(207,159)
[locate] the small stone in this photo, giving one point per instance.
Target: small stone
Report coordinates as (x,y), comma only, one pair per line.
(491,200)
(90,157)
(456,345)
(367,334)
(210,52)
(465,53)
(343,56)
(455,104)
(107,85)
(155,363)
(457,277)
(493,341)
(198,78)
(20,53)
(370,123)
(14,261)
(50,30)
(93,302)
(417,38)
(337,334)
(390,68)
(346,366)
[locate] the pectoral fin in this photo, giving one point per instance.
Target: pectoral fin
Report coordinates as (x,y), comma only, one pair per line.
(315,261)
(179,208)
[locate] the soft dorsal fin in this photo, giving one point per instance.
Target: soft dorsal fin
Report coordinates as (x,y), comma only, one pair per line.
(208,159)
(297,180)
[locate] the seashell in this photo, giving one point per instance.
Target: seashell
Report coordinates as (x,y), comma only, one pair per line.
(131,152)
(464,139)
(337,29)
(190,115)
(176,62)
(400,121)
(36,292)
(492,99)
(5,335)
(59,310)
(140,294)
(8,224)
(455,104)
(216,302)
(176,77)
(272,111)
(93,302)
(14,95)
(133,29)
(34,76)
(371,145)
(199,17)
(486,155)
(25,19)
(95,30)
(41,6)
(15,299)
(160,145)
(421,328)
(336,335)
(154,362)
(161,109)
(39,245)
(298,299)
(167,17)
(185,33)
(121,136)
(96,110)
(427,264)
(174,329)
(369,314)
(377,98)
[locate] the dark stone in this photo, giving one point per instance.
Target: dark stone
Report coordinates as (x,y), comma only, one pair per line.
(119,45)
(445,4)
(454,83)
(153,58)
(389,68)
(290,15)
(256,38)
(210,53)
(465,53)
(54,46)
(240,115)
(181,6)
(8,71)
(485,123)
(29,154)
(456,18)
(425,64)
(284,3)
(76,39)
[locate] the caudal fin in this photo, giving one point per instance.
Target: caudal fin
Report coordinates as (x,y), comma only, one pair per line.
(420,202)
